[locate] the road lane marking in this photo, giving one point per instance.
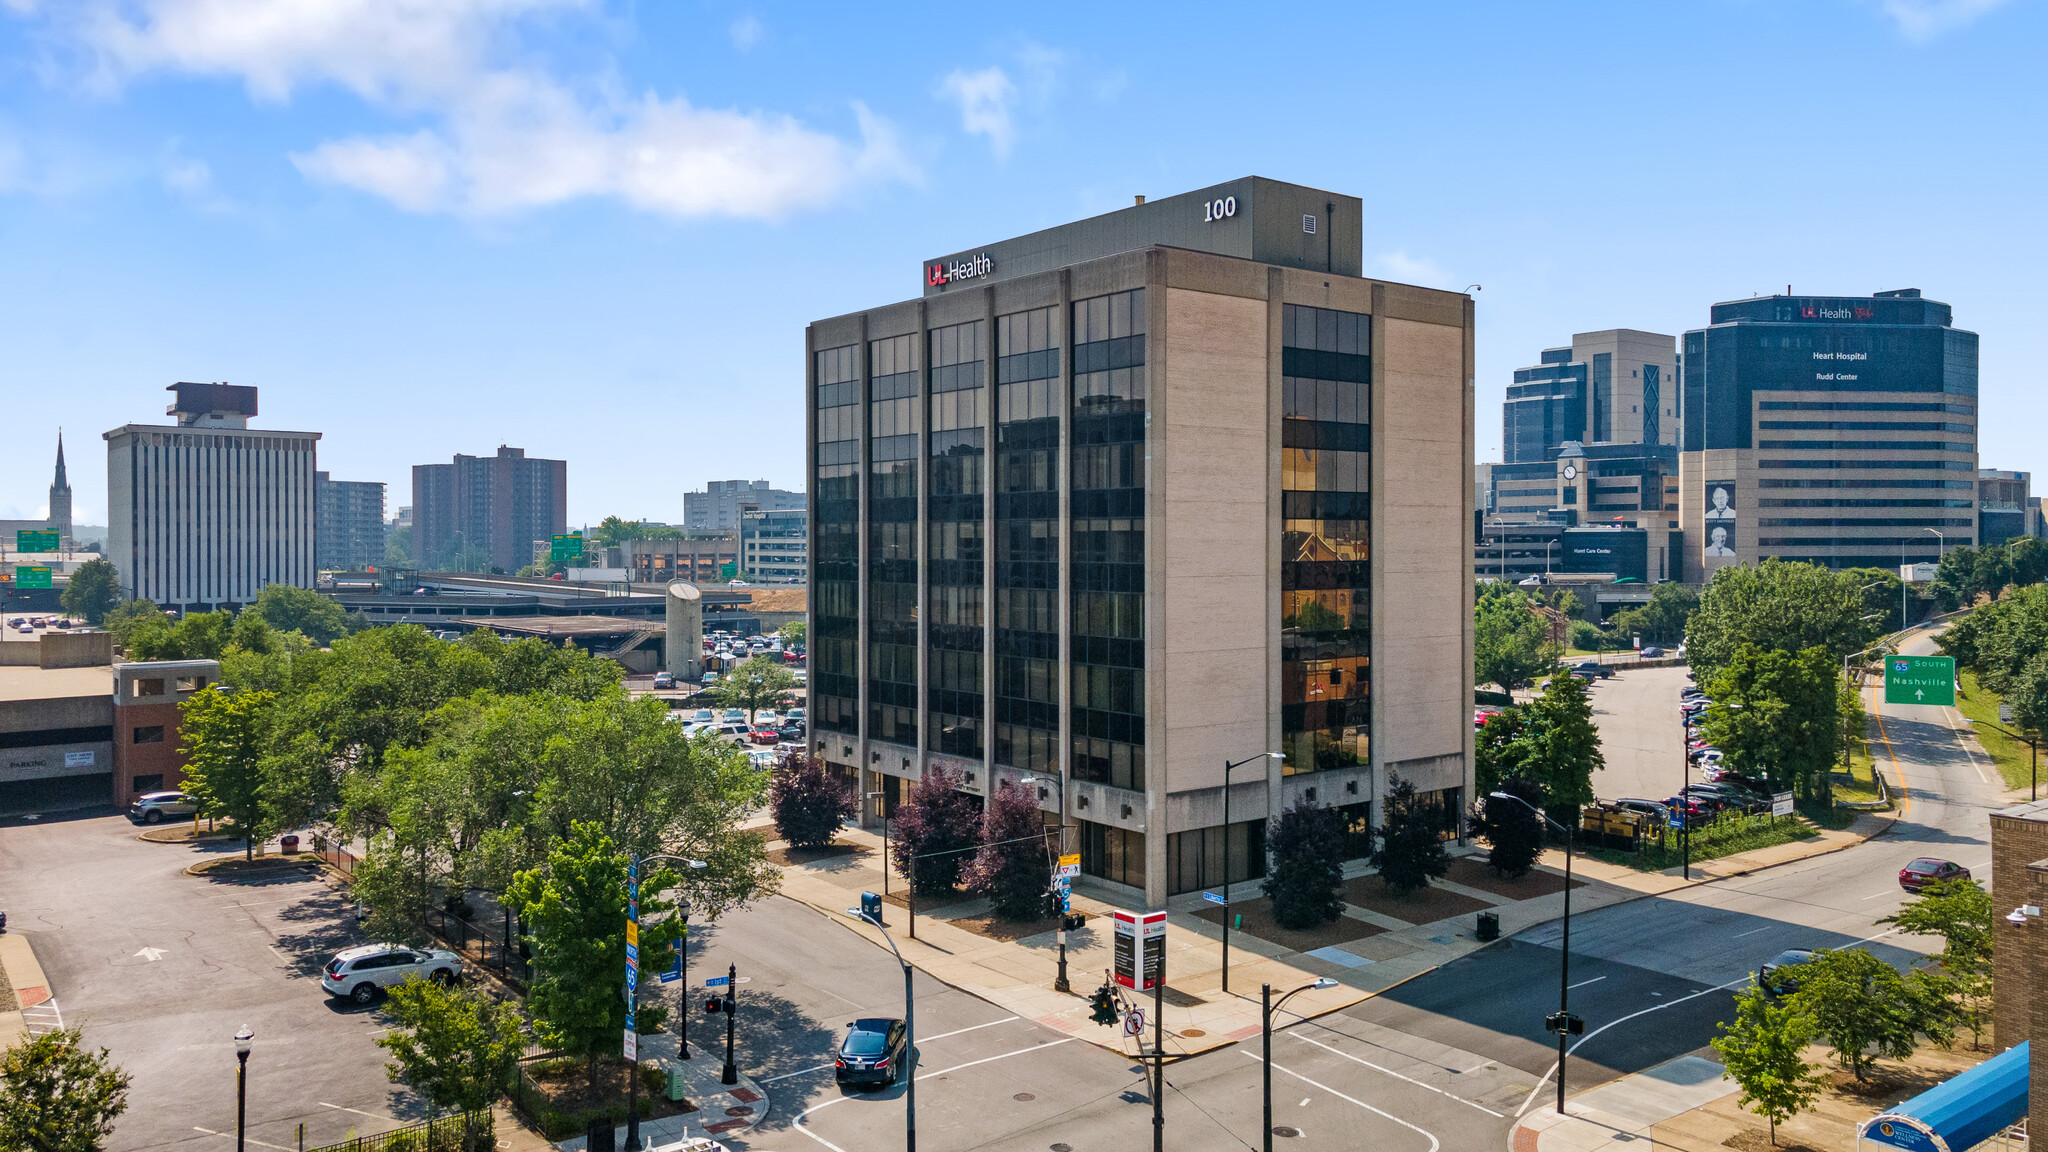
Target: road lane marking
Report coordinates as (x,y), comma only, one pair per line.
(798,1072)
(250,1139)
(800,1126)
(357,1111)
(1752,932)
(1583,983)
(1434,1144)
(1905,790)
(1949,716)
(1875,895)
(974,1028)
(1394,1074)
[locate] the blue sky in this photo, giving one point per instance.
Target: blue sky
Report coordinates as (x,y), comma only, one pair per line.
(596,230)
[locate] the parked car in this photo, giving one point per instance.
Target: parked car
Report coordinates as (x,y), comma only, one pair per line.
(1732,796)
(1711,803)
(1928,870)
(765,736)
(153,807)
(873,1052)
(1592,668)
(1687,810)
(767,718)
(360,973)
(791,733)
(734,716)
(664,679)
(794,716)
(1653,653)
(1658,812)
(1774,985)
(710,678)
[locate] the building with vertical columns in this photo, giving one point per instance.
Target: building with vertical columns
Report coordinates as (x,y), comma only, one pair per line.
(349,533)
(202,515)
(1099,509)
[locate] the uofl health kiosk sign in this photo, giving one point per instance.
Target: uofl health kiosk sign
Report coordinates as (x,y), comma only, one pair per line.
(1920,680)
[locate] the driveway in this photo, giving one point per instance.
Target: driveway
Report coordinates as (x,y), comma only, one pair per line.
(163,968)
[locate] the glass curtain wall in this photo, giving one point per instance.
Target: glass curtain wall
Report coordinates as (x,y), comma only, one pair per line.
(1027,641)
(835,650)
(892,539)
(1326,602)
(1108,510)
(953,570)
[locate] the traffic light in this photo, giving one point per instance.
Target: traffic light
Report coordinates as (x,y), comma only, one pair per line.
(1103,1005)
(1072,920)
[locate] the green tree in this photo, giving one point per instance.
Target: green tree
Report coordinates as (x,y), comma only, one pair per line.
(57,1095)
(573,911)
(1781,604)
(94,591)
(1559,745)
(405,812)
(1306,879)
(290,609)
(937,817)
(1880,588)
(1012,868)
(808,805)
(755,684)
(2028,556)
(398,551)
(2028,695)
(1510,644)
(792,634)
(1761,1051)
(1514,830)
(459,1049)
(133,617)
(1960,912)
(613,531)
(1777,715)
(1662,620)
(1499,749)
(198,636)
(225,735)
(1410,849)
(1859,1004)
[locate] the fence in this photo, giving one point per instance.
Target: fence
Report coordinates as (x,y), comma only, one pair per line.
(493,948)
(469,1132)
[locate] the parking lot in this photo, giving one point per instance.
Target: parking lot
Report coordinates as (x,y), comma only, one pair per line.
(163,968)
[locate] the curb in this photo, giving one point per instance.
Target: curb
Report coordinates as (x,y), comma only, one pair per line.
(24,971)
(155,836)
(279,863)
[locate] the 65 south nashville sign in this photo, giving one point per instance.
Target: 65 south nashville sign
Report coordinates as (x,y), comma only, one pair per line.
(1920,680)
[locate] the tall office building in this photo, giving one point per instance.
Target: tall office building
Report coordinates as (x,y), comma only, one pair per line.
(204,514)
(776,545)
(1617,386)
(1839,430)
(349,534)
(2005,506)
(719,506)
(1100,508)
(60,500)
(479,513)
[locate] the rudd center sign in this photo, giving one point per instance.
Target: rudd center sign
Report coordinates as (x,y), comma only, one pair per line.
(942,272)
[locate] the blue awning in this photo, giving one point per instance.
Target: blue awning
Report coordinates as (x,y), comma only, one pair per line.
(1959,1113)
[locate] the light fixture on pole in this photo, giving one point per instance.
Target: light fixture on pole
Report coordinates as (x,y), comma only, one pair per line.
(1564,1024)
(629,1043)
(1940,544)
(882,810)
(1227,766)
(1268,1006)
(909,1030)
(1060,982)
(243,1040)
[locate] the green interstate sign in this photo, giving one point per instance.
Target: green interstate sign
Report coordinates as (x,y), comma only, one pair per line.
(31,576)
(30,540)
(568,547)
(1920,680)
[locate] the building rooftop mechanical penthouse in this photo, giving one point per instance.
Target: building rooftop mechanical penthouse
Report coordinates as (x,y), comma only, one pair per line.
(1098,509)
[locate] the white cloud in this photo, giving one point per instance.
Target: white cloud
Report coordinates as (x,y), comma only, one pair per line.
(985,99)
(1926,19)
(746,32)
(1412,269)
(498,137)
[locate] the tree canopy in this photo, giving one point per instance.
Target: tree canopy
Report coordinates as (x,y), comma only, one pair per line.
(57,1095)
(1510,641)
(1556,744)
(94,591)
(1778,604)
(758,682)
(1776,715)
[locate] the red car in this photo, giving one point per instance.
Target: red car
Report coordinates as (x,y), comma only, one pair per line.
(765,736)
(1928,870)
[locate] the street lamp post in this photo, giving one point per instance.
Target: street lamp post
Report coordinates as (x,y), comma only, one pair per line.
(1685,801)
(883,810)
(243,1040)
(1268,1006)
(1227,766)
(730,1074)
(1562,1022)
(909,1033)
(1940,544)
(1060,982)
(633,865)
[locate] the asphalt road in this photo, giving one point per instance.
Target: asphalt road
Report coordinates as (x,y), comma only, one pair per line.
(1640,733)
(163,968)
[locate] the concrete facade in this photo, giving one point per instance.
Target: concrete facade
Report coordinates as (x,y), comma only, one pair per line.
(722,503)
(488,511)
(1219,463)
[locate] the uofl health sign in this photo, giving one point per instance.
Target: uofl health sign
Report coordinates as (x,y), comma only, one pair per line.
(1920,680)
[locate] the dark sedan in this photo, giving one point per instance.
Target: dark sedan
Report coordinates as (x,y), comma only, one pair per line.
(1775,985)
(1928,870)
(872,1053)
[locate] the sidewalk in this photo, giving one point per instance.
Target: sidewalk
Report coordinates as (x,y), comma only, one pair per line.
(20,972)
(722,1110)
(1627,1109)
(1018,975)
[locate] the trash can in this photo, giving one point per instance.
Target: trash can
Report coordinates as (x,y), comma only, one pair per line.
(288,844)
(675,1080)
(1489,925)
(600,1136)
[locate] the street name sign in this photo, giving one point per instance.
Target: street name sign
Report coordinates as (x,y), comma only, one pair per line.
(1213,897)
(1920,680)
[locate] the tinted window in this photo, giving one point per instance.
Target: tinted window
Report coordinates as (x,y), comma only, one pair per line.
(864,1044)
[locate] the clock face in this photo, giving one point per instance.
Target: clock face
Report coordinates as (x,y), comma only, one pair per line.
(1571,472)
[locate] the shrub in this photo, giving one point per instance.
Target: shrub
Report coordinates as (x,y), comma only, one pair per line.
(1513,829)
(807,803)
(937,817)
(1011,869)
(1307,877)
(1410,852)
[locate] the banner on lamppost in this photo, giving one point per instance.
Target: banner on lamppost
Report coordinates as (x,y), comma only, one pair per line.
(630,1044)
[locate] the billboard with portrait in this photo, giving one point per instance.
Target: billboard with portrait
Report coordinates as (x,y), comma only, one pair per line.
(1719,522)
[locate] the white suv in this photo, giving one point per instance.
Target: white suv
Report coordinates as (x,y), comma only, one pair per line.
(361,972)
(152,807)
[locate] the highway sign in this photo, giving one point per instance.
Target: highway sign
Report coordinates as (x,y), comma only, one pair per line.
(31,576)
(569,547)
(1920,680)
(30,540)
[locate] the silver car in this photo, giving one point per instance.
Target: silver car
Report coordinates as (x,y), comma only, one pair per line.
(152,807)
(361,972)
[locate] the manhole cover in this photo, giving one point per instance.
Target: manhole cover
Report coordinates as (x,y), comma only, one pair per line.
(1062,1148)
(1191,1033)
(1024,1096)
(1286,1130)
(739,1111)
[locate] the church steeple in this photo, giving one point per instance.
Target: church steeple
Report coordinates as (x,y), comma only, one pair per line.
(60,498)
(60,483)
